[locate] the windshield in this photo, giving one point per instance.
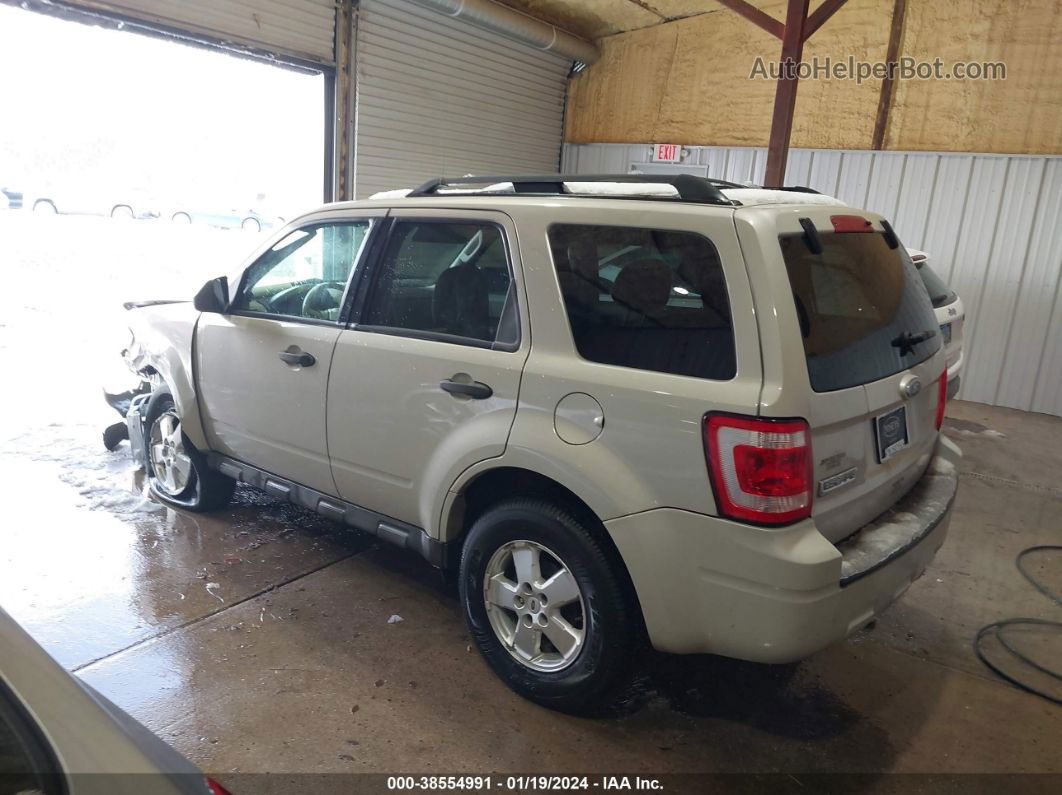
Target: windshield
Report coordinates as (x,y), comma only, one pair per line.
(864,313)
(939,292)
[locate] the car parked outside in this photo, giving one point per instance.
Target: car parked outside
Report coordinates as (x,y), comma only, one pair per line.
(248,220)
(951,314)
(12,198)
(89,200)
(725,438)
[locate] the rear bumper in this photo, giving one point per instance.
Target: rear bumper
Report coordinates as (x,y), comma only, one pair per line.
(777,595)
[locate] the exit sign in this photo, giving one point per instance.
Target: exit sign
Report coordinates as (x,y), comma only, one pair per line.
(667,153)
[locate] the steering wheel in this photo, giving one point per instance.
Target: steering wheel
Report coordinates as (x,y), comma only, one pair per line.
(275,303)
(322,297)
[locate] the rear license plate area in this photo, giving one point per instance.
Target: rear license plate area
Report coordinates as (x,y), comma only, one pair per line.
(890,432)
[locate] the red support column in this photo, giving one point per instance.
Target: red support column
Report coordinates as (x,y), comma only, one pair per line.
(786,93)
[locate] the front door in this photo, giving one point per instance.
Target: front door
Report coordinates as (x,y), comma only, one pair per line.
(263,366)
(425,383)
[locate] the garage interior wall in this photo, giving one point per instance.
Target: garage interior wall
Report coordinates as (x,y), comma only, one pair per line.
(687,80)
(299,29)
(989,223)
(437,96)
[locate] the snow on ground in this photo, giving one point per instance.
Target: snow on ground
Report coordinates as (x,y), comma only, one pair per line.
(62,330)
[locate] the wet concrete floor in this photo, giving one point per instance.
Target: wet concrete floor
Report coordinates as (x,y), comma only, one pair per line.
(257,639)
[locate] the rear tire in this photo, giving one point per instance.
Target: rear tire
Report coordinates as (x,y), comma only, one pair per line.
(181,218)
(592,669)
(44,207)
(178,474)
(123,212)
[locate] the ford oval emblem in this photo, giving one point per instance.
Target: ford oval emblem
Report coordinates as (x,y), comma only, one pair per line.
(910,386)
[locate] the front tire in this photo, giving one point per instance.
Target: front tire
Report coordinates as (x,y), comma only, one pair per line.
(178,474)
(548,609)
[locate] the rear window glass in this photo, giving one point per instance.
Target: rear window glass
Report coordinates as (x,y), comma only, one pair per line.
(939,292)
(649,299)
(862,309)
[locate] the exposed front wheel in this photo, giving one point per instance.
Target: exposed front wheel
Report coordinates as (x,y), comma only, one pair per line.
(548,609)
(177,472)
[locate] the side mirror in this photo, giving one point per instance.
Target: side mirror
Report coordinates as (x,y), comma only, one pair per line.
(214,297)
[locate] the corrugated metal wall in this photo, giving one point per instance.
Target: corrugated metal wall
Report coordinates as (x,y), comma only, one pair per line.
(991,223)
(438,96)
(303,29)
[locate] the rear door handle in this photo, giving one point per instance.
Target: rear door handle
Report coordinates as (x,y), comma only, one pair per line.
(301,358)
(475,390)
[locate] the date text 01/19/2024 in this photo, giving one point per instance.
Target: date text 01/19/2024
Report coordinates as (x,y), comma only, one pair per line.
(526,783)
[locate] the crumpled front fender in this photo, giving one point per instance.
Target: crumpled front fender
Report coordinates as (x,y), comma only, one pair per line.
(162,346)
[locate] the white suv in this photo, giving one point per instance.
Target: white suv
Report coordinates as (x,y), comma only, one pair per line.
(686,413)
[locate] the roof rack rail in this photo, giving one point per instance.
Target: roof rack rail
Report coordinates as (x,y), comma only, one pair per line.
(796,189)
(688,187)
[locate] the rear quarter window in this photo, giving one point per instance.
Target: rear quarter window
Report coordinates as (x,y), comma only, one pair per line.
(648,299)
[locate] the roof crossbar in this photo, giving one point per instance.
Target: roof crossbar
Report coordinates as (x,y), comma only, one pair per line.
(688,187)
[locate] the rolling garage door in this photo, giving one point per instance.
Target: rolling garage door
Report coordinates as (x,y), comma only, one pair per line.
(299,29)
(438,96)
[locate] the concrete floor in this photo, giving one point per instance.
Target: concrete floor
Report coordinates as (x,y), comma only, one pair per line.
(257,639)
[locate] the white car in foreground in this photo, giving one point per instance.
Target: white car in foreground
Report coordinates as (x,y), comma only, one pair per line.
(950,314)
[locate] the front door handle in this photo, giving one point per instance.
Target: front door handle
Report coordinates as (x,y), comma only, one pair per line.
(474,390)
(301,358)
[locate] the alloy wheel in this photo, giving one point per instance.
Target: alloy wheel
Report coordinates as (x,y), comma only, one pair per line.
(534,605)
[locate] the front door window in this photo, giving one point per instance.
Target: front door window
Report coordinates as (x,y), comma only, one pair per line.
(305,274)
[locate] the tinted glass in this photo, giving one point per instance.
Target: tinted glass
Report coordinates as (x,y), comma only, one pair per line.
(26,766)
(305,274)
(860,306)
(939,293)
(650,299)
(445,278)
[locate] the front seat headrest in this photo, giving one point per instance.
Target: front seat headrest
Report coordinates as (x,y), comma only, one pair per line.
(460,303)
(643,286)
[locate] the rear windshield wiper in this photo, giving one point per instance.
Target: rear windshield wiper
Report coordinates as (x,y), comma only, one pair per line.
(906,342)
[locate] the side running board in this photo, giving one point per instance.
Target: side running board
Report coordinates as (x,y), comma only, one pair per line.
(383,527)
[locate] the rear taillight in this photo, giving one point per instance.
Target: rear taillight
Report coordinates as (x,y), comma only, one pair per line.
(760,468)
(216,789)
(942,398)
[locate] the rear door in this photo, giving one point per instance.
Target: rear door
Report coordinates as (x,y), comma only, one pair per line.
(425,383)
(859,323)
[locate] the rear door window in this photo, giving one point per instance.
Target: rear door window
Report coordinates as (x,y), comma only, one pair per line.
(864,312)
(445,280)
(649,299)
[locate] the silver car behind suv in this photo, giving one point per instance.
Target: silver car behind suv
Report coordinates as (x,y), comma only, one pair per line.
(682,413)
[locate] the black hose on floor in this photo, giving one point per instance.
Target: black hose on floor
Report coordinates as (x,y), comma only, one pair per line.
(998,626)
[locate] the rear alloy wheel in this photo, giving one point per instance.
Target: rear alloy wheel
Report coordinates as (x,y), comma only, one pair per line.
(178,473)
(534,605)
(551,610)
